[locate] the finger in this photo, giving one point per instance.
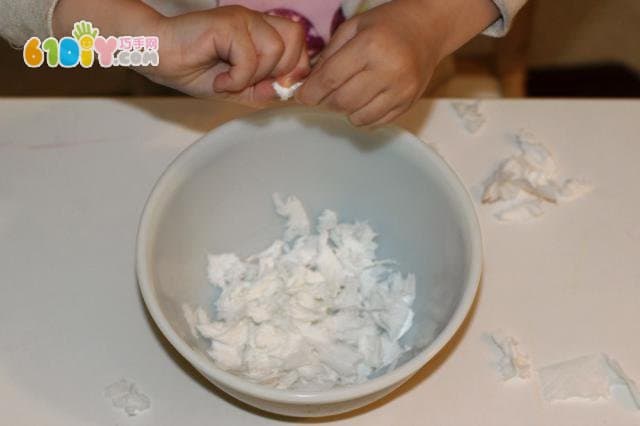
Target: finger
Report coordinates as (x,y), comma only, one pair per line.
(241,56)
(264,92)
(269,47)
(357,92)
(298,74)
(332,73)
(294,56)
(343,34)
(375,110)
(258,95)
(390,116)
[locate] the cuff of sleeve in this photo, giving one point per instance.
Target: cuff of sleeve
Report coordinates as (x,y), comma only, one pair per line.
(49,17)
(508,10)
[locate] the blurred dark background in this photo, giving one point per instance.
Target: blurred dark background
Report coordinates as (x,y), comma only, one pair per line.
(556,48)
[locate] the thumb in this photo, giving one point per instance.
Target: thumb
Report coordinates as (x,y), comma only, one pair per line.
(298,73)
(243,64)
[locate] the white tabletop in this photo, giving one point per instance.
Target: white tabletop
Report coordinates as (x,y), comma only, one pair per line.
(74,175)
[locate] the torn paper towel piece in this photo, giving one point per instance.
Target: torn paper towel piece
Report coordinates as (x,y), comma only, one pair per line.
(194,317)
(314,310)
(470,115)
(286,93)
(524,182)
(125,395)
(298,224)
(588,377)
(513,361)
(620,378)
(520,212)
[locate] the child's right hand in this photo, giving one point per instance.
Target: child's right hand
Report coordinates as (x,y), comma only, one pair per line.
(229,52)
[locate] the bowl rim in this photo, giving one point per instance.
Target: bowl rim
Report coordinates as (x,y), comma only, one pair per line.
(205,366)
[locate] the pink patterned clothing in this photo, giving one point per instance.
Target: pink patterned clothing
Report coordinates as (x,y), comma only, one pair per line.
(21,19)
(319,13)
(319,18)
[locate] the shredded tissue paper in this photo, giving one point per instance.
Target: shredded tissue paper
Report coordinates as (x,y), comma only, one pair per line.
(124,394)
(312,311)
(526,181)
(589,377)
(470,115)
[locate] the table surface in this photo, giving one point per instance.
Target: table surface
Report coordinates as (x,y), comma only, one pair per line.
(74,175)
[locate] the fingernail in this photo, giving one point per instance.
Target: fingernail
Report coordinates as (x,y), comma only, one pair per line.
(286,81)
(221,82)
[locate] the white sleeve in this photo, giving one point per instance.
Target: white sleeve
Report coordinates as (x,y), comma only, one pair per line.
(21,19)
(508,10)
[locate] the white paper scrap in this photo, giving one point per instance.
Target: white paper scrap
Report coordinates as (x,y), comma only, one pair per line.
(124,394)
(590,377)
(470,115)
(513,362)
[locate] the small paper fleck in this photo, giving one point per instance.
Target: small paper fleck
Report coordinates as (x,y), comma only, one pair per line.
(124,394)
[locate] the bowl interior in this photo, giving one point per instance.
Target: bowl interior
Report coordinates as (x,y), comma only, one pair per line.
(216,198)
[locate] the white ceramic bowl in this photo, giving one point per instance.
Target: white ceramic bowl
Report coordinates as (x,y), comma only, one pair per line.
(216,197)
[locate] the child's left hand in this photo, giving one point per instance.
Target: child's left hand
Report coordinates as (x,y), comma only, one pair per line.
(379,63)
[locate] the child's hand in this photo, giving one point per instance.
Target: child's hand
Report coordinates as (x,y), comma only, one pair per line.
(379,63)
(229,52)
